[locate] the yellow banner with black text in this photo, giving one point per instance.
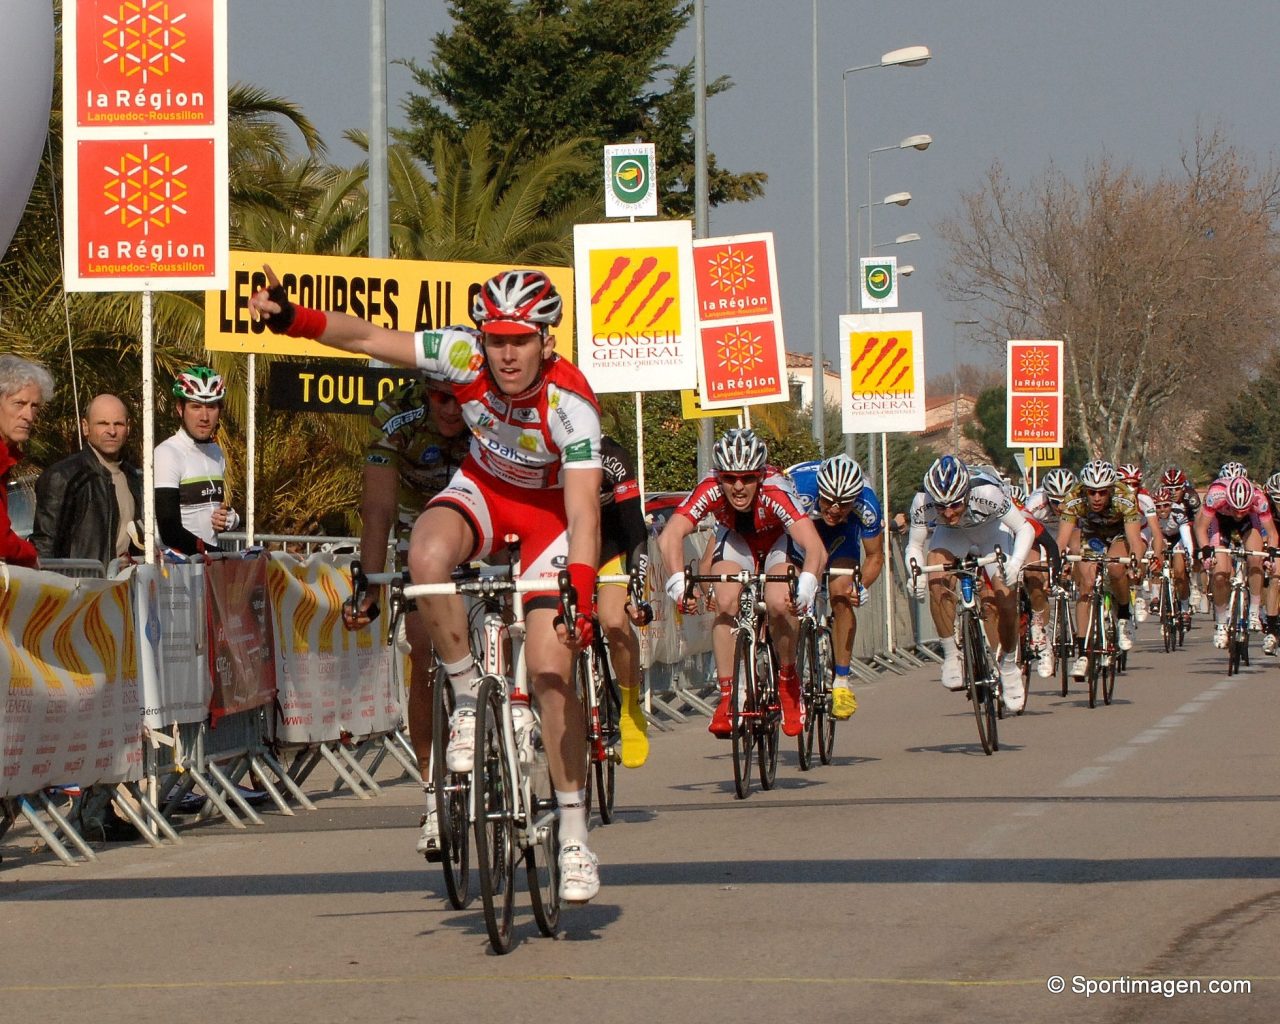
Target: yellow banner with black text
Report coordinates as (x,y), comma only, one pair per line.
(402,295)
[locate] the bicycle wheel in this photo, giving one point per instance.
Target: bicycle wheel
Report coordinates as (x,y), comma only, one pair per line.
(1095,648)
(826,727)
(542,854)
(1109,676)
(1064,646)
(494,816)
(1233,628)
(810,689)
(609,707)
(974,663)
(453,801)
(742,710)
(595,685)
(768,723)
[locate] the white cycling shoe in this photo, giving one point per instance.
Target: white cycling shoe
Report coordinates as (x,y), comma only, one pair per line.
(1124,637)
(579,873)
(1080,667)
(460,754)
(429,834)
(1015,695)
(1220,636)
(952,671)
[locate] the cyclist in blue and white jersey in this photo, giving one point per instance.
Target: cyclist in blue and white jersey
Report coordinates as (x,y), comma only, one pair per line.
(850,522)
(956,513)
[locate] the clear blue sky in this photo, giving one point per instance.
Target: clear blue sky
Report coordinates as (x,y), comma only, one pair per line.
(1026,82)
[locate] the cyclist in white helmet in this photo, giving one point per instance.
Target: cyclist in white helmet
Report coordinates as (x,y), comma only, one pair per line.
(958,512)
(759,521)
(190,469)
(534,470)
(851,524)
(1101,513)
(1235,511)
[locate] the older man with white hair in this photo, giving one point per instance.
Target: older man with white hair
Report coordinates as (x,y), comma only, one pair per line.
(24,387)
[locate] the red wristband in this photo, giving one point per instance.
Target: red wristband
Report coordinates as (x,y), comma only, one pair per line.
(307,323)
(583,578)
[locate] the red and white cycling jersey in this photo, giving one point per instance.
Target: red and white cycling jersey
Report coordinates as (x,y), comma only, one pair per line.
(771,514)
(1215,503)
(529,440)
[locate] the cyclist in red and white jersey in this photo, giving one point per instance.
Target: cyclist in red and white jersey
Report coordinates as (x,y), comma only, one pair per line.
(1271,597)
(1235,510)
(534,470)
(1153,536)
(758,520)
(1184,492)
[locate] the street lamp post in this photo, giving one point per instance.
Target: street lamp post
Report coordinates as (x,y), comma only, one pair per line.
(916,142)
(905,57)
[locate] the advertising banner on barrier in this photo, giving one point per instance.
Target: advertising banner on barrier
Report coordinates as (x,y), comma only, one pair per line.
(241,652)
(173,644)
(330,680)
(69,667)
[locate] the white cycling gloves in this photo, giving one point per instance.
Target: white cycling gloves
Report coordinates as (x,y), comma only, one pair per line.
(675,586)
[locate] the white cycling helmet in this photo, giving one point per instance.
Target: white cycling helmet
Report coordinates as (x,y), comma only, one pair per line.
(1018,493)
(1058,483)
(1239,494)
(1098,474)
(1232,470)
(739,451)
(1273,486)
(840,480)
(947,480)
(1130,473)
(517,301)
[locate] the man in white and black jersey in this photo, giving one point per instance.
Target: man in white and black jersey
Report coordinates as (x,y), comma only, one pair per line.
(1044,508)
(958,512)
(190,469)
(1175,525)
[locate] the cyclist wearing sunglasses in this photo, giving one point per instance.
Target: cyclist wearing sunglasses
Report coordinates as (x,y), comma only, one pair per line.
(1104,511)
(1044,507)
(1235,511)
(1175,525)
(759,522)
(961,511)
(849,520)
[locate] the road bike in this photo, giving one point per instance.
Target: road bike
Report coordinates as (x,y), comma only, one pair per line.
(513,810)
(1238,605)
(1172,626)
(982,683)
(1101,639)
(1062,625)
(815,664)
(756,714)
(601,701)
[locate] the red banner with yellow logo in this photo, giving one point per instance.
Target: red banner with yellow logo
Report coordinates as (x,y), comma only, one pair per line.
(241,648)
(742,360)
(1034,386)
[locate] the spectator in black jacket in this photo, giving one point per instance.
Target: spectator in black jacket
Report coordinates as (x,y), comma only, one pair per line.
(85,503)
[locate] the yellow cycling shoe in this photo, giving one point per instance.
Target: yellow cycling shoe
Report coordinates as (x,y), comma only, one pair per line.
(634,728)
(843,703)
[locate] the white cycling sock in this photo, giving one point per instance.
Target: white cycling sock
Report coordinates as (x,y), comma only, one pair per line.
(466,680)
(573,816)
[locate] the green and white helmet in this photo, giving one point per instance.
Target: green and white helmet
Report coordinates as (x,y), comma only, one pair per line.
(199,384)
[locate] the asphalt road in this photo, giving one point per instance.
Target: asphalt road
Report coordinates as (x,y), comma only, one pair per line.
(914,879)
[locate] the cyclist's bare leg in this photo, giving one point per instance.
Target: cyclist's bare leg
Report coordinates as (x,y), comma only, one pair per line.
(550,664)
(441,540)
(1120,573)
(624,654)
(1221,582)
(782,623)
(1181,581)
(942,596)
(421,691)
(1086,574)
(1253,542)
(726,614)
(844,624)
(1004,602)
(1037,591)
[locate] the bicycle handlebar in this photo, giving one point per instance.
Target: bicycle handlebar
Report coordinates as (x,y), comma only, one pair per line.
(970,563)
